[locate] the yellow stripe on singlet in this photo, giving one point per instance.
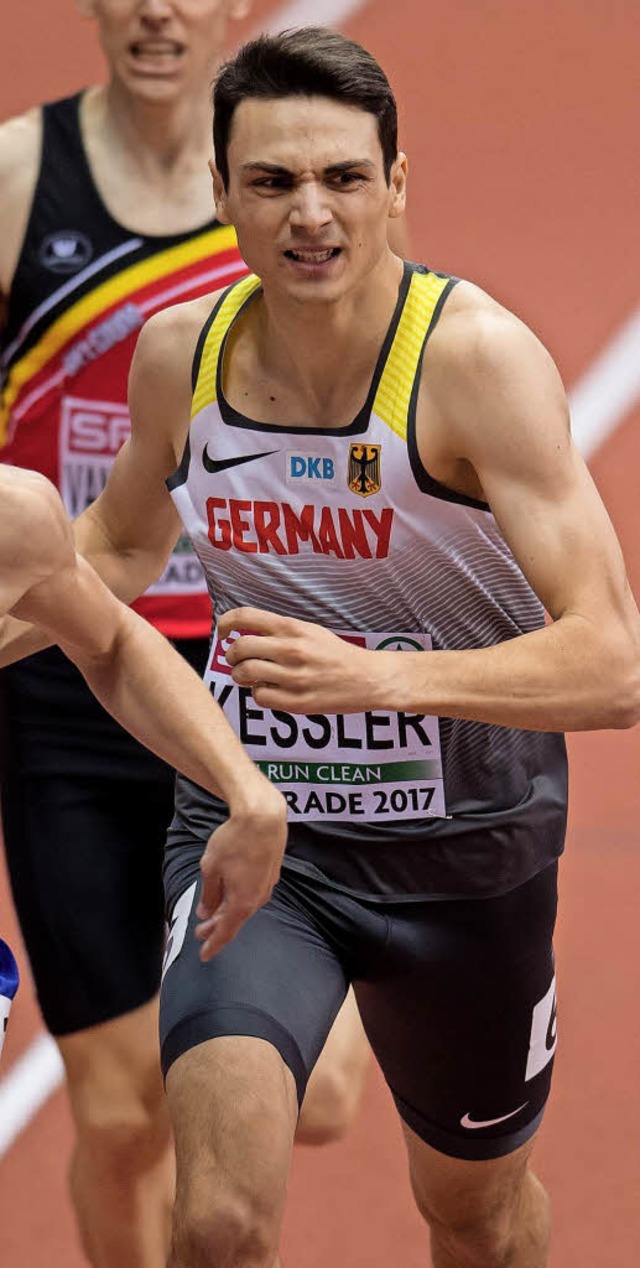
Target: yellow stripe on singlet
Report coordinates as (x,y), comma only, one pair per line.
(396,383)
(205,391)
(127,282)
(397,379)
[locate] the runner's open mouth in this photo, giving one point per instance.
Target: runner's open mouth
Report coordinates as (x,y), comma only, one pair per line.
(156,48)
(314,256)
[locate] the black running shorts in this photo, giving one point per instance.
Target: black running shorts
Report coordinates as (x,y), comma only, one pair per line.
(85,810)
(457,998)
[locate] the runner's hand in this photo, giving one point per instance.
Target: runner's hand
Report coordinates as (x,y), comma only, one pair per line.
(302,667)
(240,866)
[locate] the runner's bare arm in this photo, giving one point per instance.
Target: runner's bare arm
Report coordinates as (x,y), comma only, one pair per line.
(492,390)
(151,691)
(504,410)
(129,531)
(20,142)
(20,145)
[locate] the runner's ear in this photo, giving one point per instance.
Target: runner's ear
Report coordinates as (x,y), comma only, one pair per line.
(219,194)
(398,186)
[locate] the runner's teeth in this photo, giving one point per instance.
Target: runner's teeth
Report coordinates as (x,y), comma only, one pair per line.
(156,50)
(313,257)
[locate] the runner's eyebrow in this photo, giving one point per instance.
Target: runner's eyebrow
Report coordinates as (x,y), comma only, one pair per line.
(274,169)
(334,169)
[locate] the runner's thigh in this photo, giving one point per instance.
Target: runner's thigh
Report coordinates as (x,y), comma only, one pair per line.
(461,1017)
(278,980)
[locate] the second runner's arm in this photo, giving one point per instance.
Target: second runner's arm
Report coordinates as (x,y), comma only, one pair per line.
(154,693)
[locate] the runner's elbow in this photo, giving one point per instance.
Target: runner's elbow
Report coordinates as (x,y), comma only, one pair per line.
(625,693)
(628,707)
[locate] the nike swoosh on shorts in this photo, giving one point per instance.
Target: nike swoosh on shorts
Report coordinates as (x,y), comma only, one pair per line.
(466,1121)
(214,465)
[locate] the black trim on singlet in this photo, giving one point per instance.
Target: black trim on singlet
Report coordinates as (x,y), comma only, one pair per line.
(182,471)
(360,424)
(66,199)
(425,482)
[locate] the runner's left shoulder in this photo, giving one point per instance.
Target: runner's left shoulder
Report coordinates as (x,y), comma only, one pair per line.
(481,342)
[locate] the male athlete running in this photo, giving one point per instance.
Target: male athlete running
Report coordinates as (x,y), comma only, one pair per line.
(385,450)
(106,217)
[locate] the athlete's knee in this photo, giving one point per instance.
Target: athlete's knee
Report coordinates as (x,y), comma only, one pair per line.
(126,1134)
(481,1241)
(330,1104)
(217,1224)
(121,1122)
(492,1232)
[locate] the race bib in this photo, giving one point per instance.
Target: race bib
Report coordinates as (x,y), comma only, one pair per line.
(91,434)
(379,765)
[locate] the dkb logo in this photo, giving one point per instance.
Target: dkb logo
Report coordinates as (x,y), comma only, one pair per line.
(308,467)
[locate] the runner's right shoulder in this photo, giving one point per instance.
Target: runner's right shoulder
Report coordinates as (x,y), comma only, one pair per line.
(169,337)
(20,148)
(160,387)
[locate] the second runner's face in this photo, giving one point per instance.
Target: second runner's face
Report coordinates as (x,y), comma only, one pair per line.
(157,48)
(307,194)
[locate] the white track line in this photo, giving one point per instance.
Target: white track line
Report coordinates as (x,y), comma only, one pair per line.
(311,13)
(609,389)
(23,1091)
(600,400)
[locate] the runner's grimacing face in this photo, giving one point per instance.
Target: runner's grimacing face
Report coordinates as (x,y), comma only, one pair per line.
(307,194)
(158,48)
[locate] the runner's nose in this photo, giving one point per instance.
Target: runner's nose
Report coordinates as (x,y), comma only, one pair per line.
(310,209)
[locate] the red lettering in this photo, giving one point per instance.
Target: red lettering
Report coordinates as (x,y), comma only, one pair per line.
(354,537)
(381,528)
(346,539)
(300,527)
(267,521)
(327,534)
(219,531)
(241,526)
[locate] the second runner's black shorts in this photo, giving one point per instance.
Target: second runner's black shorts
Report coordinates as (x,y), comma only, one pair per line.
(85,810)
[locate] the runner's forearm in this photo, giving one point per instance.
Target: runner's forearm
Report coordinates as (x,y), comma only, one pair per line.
(127,573)
(19,638)
(152,692)
(569,676)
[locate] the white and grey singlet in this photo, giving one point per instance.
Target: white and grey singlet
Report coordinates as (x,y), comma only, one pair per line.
(345,527)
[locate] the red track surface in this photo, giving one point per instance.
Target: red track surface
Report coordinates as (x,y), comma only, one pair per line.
(519,121)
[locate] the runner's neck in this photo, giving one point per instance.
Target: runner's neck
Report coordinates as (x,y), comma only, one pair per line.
(150,163)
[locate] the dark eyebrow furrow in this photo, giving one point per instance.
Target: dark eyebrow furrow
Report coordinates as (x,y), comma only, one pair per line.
(334,169)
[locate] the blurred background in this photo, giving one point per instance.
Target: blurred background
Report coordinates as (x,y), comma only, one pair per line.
(520,120)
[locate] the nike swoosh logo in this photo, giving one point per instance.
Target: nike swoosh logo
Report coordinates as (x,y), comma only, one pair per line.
(213,465)
(490,1122)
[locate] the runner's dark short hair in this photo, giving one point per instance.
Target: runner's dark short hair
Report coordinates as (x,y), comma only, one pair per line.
(309,61)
